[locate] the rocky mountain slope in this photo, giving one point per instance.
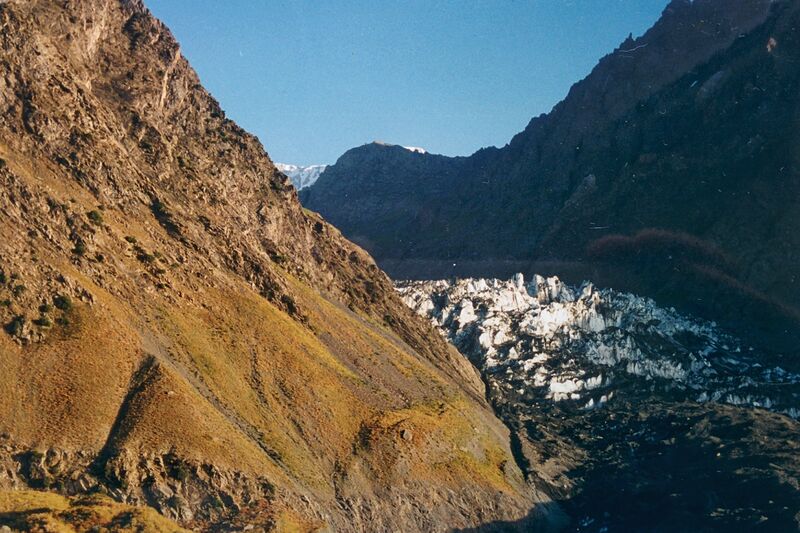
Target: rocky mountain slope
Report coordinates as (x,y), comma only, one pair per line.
(179,333)
(620,405)
(671,171)
(301,176)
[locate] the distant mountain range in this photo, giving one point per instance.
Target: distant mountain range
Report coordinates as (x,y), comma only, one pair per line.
(303,177)
(672,170)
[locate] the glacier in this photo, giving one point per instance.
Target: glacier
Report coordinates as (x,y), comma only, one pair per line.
(581,346)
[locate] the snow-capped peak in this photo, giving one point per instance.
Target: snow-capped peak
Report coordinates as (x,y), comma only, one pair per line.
(416,149)
(302,176)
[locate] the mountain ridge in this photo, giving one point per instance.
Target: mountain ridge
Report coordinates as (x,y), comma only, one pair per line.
(619,162)
(179,333)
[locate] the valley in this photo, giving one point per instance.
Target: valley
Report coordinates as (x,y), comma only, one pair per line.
(594,328)
(670,172)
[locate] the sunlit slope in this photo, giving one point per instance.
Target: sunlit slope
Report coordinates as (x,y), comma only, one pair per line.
(42,511)
(179,333)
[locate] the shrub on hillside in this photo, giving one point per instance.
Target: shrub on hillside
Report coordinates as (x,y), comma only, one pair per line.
(95,217)
(143,255)
(16,325)
(62,302)
(43,322)
(654,246)
(80,247)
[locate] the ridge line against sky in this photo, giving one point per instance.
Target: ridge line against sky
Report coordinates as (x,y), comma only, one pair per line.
(313,79)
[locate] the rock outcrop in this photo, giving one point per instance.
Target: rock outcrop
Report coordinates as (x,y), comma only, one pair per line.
(28,510)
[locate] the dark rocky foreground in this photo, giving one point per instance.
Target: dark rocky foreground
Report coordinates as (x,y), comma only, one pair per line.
(631,416)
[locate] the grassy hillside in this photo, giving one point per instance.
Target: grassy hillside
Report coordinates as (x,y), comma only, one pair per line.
(44,511)
(180,334)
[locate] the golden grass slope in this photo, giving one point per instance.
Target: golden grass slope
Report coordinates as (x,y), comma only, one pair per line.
(36,511)
(179,333)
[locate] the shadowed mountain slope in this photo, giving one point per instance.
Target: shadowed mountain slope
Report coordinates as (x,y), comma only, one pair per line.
(671,170)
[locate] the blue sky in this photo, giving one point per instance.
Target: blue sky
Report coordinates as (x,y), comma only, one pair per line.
(313,78)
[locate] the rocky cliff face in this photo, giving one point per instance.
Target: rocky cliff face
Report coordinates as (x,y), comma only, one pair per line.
(619,406)
(670,170)
(179,333)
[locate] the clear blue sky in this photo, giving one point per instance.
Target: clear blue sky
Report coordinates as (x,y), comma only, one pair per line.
(313,78)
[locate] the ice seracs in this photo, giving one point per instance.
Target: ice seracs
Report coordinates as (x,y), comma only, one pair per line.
(302,176)
(552,342)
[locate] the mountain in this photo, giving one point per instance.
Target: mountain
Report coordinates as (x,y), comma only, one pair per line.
(670,171)
(301,176)
(385,184)
(179,333)
(638,418)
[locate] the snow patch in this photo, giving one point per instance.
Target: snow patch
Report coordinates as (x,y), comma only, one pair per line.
(416,149)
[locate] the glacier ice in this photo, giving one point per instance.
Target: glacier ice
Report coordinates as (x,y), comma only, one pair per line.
(560,343)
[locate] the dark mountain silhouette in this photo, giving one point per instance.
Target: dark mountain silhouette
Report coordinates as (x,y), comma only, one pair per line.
(671,170)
